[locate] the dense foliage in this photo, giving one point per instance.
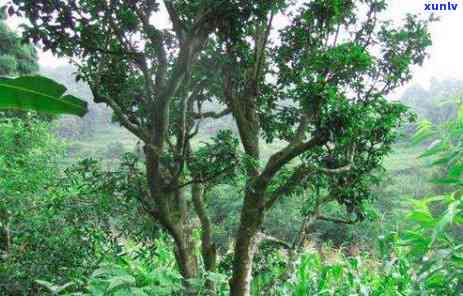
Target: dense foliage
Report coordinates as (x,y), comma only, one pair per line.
(288,197)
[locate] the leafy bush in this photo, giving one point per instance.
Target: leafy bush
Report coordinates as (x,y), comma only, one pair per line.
(54,225)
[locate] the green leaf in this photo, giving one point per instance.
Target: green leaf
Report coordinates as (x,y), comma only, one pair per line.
(109,269)
(436,280)
(54,289)
(418,242)
(97,287)
(457,259)
(435,149)
(455,171)
(425,131)
(137,292)
(216,277)
(438,198)
(446,220)
(120,281)
(447,181)
(422,217)
(446,158)
(460,114)
(38,93)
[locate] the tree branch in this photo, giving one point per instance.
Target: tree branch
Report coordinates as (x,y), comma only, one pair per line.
(206,179)
(342,169)
(212,114)
(282,157)
(157,41)
(178,27)
(301,172)
(208,248)
(124,119)
(262,237)
(335,220)
(286,188)
(261,40)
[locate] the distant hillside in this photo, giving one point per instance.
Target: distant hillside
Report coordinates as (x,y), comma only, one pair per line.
(70,127)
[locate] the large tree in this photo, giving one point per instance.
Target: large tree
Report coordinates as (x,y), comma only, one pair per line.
(138,70)
(319,85)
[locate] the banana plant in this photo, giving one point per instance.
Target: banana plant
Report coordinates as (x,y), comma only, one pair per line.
(38,93)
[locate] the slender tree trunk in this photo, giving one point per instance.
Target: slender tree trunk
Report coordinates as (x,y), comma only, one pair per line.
(5,233)
(252,213)
(8,238)
(208,248)
(5,239)
(252,216)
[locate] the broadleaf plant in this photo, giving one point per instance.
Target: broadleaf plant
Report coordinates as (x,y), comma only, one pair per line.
(38,93)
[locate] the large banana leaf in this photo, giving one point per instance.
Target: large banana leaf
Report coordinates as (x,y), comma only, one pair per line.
(38,93)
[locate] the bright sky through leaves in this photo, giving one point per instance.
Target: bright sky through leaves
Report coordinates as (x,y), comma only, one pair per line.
(445,61)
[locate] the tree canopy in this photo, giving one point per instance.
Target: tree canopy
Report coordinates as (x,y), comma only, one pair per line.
(319,85)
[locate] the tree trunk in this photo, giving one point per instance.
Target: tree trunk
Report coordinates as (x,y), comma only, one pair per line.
(172,213)
(5,234)
(187,262)
(252,216)
(208,248)
(5,239)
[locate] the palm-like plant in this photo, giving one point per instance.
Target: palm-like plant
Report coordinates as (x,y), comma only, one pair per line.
(38,93)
